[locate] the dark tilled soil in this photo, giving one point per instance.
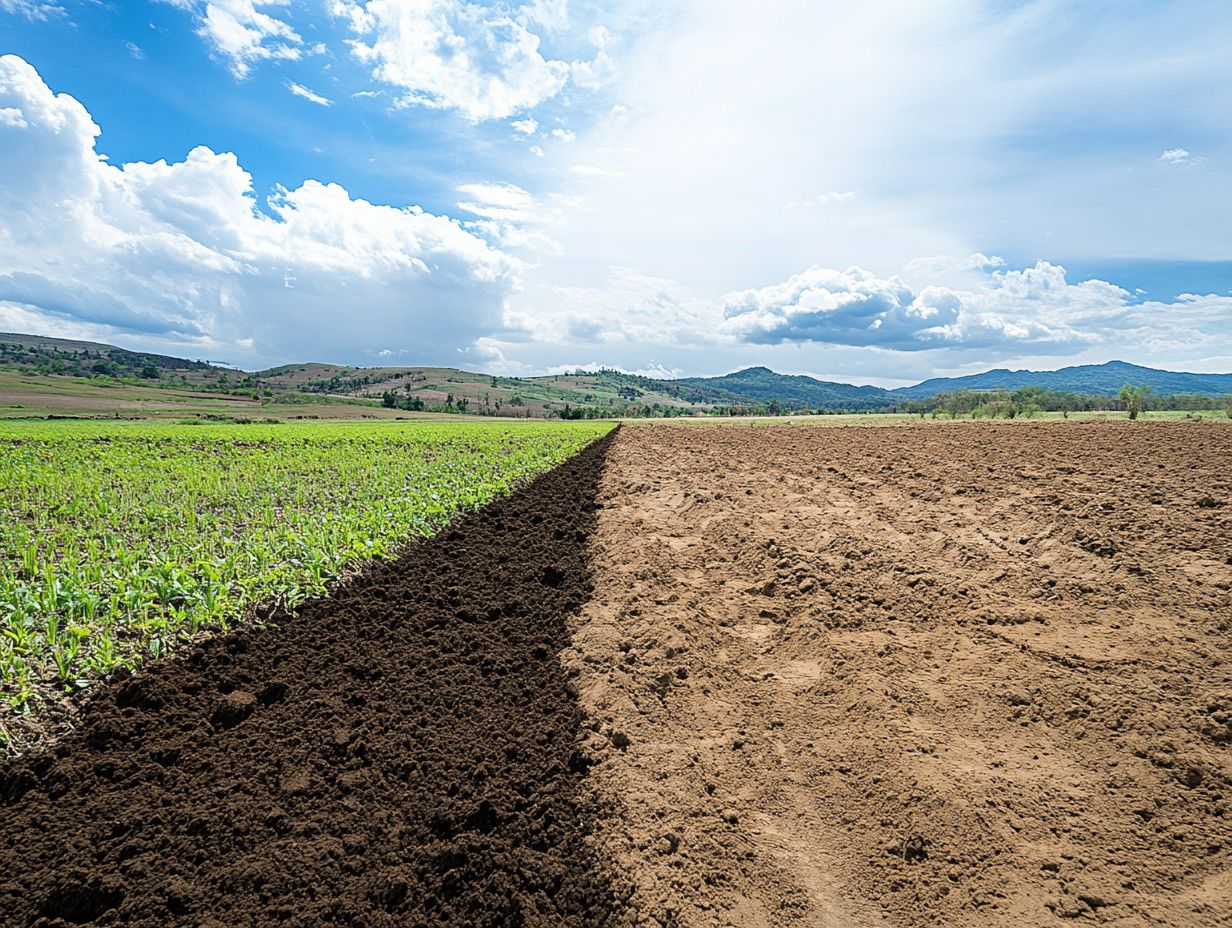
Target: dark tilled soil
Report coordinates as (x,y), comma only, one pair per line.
(404,752)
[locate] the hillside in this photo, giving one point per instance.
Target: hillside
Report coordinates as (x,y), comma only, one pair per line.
(760,384)
(1105,379)
(44,355)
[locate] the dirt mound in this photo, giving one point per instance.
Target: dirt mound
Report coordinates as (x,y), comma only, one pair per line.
(403,752)
(959,675)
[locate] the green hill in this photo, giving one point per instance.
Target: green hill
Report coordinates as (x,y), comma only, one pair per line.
(1105,379)
(762,385)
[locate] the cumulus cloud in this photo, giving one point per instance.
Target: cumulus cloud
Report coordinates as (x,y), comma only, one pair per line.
(1178,156)
(484,62)
(453,56)
(184,253)
(935,266)
(839,307)
(1033,309)
(310,95)
(242,33)
(510,216)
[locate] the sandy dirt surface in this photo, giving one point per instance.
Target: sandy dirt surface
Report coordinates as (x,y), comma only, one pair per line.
(971,675)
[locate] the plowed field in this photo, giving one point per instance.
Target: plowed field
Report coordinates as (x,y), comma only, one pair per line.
(968,675)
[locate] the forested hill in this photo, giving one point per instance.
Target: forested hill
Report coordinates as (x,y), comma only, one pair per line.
(763,385)
(1104,379)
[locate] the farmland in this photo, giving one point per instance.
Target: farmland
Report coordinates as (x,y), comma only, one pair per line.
(945,672)
(121,540)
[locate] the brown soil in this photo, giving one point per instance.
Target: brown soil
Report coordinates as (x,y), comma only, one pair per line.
(403,753)
(968,675)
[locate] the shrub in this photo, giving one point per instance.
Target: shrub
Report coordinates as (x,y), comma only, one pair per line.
(1133,398)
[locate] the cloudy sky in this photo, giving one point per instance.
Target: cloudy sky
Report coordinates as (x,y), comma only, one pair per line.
(873,192)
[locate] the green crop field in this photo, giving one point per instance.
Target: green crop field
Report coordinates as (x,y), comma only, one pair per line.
(118,540)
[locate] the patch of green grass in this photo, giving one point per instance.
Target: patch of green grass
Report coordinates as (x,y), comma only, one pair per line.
(120,540)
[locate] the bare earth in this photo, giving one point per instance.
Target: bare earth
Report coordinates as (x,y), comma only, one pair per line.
(959,675)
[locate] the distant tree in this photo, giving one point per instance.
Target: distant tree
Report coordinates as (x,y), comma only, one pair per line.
(389,399)
(1133,398)
(959,403)
(149,372)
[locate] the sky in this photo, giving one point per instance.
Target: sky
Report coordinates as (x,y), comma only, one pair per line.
(874,193)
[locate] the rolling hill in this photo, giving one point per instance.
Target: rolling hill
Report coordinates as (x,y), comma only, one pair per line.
(762,385)
(1104,379)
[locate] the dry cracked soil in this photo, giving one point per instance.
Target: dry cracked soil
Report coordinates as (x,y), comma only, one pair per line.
(947,674)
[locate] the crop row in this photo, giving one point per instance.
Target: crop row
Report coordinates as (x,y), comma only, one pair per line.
(118,541)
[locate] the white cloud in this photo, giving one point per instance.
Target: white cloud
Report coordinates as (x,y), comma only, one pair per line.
(536,150)
(653,369)
(563,135)
(31,9)
(525,126)
(1005,312)
(594,170)
(1178,156)
(935,266)
(135,50)
(483,63)
(824,199)
(625,308)
(240,32)
(551,14)
(510,216)
(180,253)
(310,95)
(600,70)
(488,354)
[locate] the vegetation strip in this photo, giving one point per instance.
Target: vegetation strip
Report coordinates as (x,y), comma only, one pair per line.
(119,540)
(404,752)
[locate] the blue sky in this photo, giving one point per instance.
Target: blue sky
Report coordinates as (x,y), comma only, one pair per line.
(874,194)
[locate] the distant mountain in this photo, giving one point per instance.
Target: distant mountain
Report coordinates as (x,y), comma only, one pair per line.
(1105,379)
(762,385)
